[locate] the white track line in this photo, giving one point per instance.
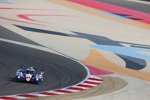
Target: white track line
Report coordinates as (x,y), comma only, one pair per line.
(139,1)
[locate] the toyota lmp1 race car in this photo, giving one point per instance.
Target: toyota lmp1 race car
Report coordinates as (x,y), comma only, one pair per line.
(29,74)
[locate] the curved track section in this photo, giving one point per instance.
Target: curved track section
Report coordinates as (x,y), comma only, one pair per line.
(60,72)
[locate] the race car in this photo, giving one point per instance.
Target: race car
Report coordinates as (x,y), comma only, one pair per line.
(29,74)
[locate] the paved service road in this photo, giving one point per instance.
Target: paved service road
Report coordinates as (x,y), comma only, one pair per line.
(129,4)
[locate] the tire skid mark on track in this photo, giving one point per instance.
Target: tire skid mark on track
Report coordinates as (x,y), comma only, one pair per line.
(90,82)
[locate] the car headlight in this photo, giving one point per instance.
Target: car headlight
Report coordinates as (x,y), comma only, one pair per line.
(38,76)
(19,74)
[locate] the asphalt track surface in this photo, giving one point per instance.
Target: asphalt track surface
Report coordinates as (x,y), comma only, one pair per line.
(8,34)
(60,71)
(146,0)
(129,4)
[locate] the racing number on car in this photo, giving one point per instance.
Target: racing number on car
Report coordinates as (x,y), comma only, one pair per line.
(28,77)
